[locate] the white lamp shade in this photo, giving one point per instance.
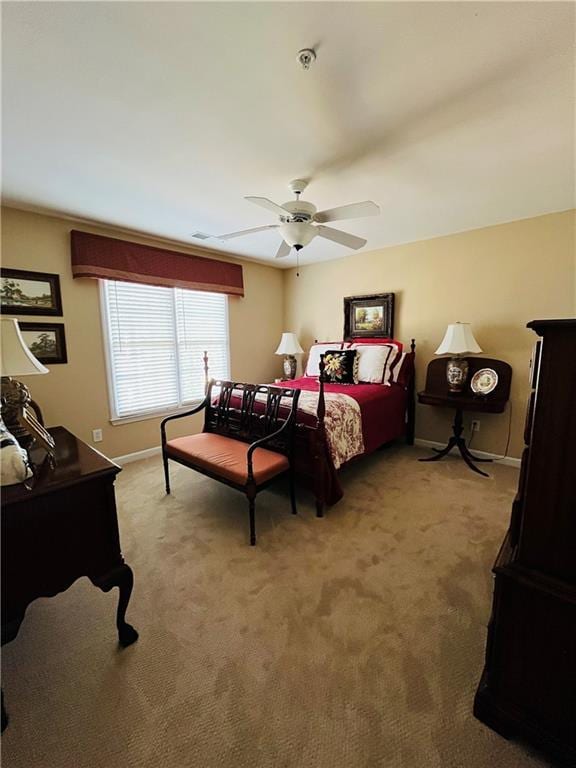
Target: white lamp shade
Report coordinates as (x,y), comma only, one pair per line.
(289,345)
(458,340)
(17,360)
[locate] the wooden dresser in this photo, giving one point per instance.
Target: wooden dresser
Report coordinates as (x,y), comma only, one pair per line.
(528,687)
(63,526)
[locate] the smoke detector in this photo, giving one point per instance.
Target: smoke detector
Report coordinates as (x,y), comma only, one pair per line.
(306,57)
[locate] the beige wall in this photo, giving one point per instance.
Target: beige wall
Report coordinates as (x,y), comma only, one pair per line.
(497,278)
(76,394)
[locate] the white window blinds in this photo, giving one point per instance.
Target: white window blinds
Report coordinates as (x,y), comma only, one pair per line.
(156,339)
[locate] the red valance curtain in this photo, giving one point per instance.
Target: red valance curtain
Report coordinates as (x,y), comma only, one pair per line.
(111,259)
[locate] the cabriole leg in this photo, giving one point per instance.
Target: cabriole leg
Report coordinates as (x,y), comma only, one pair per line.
(123,578)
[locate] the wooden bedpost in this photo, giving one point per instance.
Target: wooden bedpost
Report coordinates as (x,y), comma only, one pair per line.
(411,404)
(206,378)
(320,447)
(321,412)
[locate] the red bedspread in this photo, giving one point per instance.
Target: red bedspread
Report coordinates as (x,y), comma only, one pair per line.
(383,408)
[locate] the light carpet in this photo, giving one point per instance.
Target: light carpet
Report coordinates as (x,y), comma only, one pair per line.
(353,641)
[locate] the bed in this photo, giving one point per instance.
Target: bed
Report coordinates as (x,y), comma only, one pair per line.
(339,423)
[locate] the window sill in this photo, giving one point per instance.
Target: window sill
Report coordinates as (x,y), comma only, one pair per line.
(117,421)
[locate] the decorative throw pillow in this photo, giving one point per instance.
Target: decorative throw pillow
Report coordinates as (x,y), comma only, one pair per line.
(316,350)
(341,366)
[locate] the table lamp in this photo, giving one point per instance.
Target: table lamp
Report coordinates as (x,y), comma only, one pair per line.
(289,346)
(17,405)
(458,340)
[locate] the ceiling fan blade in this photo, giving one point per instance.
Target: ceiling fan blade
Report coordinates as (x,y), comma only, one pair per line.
(269,205)
(283,250)
(352,211)
(242,232)
(344,238)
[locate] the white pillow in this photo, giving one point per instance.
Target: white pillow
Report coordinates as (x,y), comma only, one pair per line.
(374,362)
(398,367)
(313,365)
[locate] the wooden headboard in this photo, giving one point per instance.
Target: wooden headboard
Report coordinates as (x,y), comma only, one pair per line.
(369,317)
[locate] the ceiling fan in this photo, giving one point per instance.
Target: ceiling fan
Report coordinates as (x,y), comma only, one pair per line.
(300,222)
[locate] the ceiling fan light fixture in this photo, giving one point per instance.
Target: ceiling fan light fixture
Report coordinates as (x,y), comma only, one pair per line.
(297,233)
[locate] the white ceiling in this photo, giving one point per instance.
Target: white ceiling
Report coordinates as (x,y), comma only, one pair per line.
(160,117)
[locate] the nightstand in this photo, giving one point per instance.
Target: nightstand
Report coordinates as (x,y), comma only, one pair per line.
(437,393)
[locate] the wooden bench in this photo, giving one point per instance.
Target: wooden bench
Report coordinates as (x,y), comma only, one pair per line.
(239,447)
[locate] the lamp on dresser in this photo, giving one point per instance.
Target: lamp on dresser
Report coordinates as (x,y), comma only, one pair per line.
(458,340)
(17,404)
(289,346)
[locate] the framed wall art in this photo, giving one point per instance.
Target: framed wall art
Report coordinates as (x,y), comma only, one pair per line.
(46,341)
(369,317)
(29,293)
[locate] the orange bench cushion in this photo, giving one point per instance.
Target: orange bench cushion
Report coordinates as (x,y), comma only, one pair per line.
(226,457)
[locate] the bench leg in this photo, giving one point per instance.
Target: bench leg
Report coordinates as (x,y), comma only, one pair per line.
(166,473)
(252,505)
(251,494)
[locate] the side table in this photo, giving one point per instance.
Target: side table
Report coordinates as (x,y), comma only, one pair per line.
(437,393)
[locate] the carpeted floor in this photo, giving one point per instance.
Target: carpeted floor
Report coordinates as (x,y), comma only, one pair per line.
(354,641)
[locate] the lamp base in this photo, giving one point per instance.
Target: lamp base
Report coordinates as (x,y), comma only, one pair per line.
(456,373)
(18,416)
(15,399)
(290,366)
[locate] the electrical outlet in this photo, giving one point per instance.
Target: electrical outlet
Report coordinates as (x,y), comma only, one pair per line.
(97,435)
(475,425)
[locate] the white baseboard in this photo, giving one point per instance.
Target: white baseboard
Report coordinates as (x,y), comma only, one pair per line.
(509,461)
(137,455)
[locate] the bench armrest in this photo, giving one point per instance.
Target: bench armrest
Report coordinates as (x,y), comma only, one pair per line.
(198,408)
(260,443)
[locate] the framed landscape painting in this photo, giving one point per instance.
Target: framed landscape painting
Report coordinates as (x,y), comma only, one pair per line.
(29,293)
(46,341)
(369,317)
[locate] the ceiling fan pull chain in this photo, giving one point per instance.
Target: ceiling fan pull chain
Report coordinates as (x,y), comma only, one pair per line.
(297,262)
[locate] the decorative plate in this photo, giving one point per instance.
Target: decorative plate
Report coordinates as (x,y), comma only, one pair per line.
(484,381)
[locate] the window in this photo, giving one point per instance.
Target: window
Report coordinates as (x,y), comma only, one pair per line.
(156,339)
